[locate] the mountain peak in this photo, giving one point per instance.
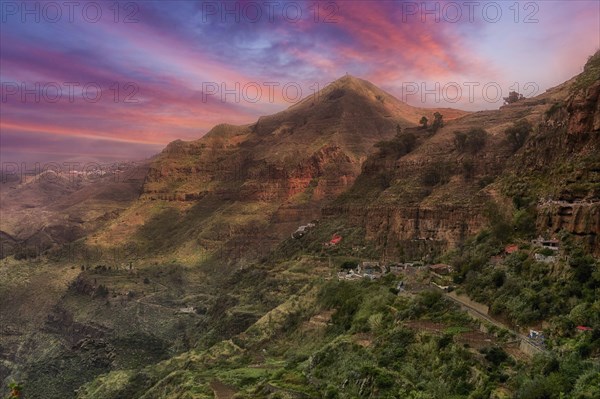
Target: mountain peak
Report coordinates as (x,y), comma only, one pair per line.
(352,82)
(359,98)
(348,87)
(347,78)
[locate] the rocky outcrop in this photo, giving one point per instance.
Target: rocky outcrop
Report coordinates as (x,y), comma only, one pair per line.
(416,230)
(232,176)
(584,110)
(581,218)
(572,132)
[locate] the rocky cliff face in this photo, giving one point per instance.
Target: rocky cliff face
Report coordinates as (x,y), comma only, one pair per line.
(276,196)
(276,174)
(575,207)
(434,196)
(421,202)
(560,164)
(583,105)
(581,219)
(412,231)
(339,156)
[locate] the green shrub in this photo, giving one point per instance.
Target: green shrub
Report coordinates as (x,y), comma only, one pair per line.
(101,291)
(472,141)
(495,355)
(554,108)
(438,122)
(517,134)
(468,167)
(524,222)
(435,174)
(400,145)
(349,265)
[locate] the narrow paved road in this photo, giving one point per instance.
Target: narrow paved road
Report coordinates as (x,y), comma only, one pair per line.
(479,314)
(484,317)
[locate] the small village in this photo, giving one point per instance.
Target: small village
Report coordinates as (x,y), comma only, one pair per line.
(375,270)
(547,251)
(418,275)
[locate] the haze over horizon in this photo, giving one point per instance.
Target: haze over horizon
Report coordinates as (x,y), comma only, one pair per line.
(154,71)
(266,199)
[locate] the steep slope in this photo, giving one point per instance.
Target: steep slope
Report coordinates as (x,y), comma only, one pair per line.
(560,165)
(59,205)
(432,197)
(242,188)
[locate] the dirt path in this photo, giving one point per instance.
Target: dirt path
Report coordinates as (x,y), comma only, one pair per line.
(221,390)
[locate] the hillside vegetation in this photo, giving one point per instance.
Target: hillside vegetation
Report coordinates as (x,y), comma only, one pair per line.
(216,275)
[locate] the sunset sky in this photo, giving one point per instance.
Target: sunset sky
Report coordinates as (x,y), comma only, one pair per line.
(153,71)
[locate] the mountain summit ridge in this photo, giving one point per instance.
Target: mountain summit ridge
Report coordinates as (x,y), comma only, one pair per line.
(346,97)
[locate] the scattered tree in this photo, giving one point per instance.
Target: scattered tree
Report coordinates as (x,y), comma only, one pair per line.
(101,291)
(472,141)
(405,143)
(513,97)
(435,174)
(400,145)
(468,169)
(424,122)
(438,122)
(495,355)
(498,278)
(460,141)
(523,220)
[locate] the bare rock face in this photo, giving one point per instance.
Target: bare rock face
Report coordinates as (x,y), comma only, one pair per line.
(584,110)
(416,230)
(443,224)
(576,207)
(580,218)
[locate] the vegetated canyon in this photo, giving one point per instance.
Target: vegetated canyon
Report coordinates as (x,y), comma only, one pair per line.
(335,249)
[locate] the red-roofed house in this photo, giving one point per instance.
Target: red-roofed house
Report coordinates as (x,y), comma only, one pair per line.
(511,249)
(335,240)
